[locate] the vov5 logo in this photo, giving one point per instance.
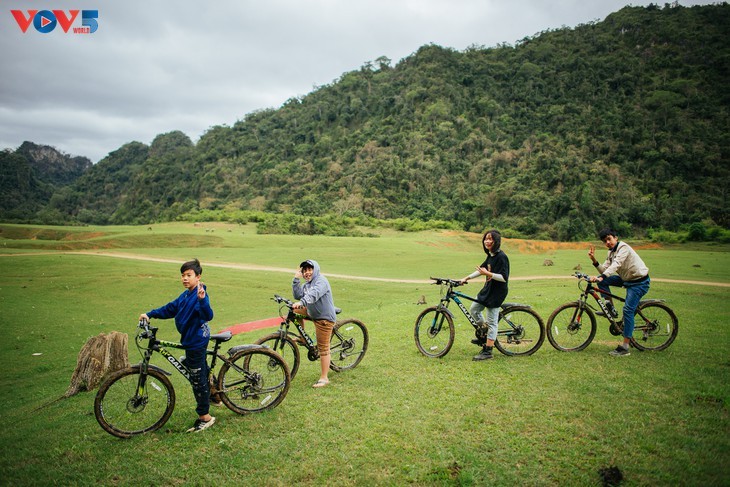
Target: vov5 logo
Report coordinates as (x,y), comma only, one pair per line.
(45,21)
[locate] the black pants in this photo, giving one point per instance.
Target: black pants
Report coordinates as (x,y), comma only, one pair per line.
(195,361)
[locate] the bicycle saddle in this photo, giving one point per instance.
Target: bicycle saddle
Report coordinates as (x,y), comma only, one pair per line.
(222,337)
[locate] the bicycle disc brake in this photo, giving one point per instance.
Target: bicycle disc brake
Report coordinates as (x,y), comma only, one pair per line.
(136,403)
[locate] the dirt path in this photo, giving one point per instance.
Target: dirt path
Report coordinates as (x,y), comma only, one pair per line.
(255,267)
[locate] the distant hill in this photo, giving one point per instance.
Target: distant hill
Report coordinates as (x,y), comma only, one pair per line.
(623,122)
(30,175)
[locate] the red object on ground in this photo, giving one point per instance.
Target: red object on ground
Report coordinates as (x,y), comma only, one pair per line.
(253,325)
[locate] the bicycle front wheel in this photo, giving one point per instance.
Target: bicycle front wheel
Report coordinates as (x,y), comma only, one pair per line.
(130,403)
(254,380)
(520,331)
(434,332)
(655,327)
(567,329)
(286,347)
(348,344)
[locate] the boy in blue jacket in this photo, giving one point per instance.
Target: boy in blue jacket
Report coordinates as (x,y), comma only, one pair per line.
(192,312)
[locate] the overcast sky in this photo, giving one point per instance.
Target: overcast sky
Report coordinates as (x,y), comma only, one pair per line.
(154,66)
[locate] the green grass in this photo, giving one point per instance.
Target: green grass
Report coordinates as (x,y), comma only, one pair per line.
(398,418)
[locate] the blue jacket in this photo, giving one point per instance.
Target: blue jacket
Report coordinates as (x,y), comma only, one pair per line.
(191,318)
(316,295)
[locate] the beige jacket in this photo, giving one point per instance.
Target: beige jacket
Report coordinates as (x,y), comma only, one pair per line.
(624,261)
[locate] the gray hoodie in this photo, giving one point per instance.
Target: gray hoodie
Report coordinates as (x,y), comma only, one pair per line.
(315,295)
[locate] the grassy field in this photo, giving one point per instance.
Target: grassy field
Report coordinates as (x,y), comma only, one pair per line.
(399,418)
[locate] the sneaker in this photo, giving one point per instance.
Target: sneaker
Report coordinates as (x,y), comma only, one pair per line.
(215,400)
(620,352)
(200,425)
(485,354)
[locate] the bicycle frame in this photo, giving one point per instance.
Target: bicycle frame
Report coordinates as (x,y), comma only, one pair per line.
(156,345)
(298,321)
(597,293)
(454,296)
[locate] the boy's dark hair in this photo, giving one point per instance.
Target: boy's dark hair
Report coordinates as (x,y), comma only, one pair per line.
(193,265)
(306,265)
(605,233)
(496,238)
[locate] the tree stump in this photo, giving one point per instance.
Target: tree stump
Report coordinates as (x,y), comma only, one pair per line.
(100,355)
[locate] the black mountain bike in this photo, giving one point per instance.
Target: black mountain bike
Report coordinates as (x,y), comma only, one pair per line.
(655,328)
(141,398)
(348,344)
(520,330)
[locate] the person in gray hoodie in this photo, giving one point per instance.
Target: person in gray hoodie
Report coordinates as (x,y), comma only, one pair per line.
(315,300)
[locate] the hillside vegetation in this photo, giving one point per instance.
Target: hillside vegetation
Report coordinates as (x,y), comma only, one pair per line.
(622,122)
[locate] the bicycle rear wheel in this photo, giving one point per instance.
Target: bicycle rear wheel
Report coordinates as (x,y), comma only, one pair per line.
(567,329)
(520,331)
(286,347)
(434,332)
(655,327)
(348,344)
(130,403)
(253,380)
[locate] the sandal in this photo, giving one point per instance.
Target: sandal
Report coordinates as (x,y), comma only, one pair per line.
(320,383)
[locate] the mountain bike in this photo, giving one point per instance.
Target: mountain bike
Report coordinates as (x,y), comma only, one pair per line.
(520,330)
(348,344)
(656,325)
(140,399)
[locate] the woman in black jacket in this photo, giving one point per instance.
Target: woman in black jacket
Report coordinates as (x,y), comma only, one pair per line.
(493,294)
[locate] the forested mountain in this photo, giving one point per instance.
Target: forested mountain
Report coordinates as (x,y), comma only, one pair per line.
(31,174)
(622,122)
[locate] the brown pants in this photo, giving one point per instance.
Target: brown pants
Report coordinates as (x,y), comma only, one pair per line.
(323,329)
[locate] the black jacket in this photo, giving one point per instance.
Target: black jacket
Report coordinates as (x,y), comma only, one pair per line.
(494,292)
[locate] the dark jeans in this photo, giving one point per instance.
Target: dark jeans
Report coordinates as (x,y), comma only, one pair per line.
(195,361)
(634,293)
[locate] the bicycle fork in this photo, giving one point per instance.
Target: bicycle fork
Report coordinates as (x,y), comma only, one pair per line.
(576,321)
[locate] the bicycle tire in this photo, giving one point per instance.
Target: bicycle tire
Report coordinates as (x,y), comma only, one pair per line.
(286,347)
(253,380)
(431,338)
(656,327)
(566,328)
(520,331)
(348,351)
(122,413)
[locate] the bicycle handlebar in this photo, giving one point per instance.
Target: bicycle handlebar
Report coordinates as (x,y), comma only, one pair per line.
(580,275)
(445,280)
(280,299)
(147,330)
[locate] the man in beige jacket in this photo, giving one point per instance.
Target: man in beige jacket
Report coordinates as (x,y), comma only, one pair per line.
(623,267)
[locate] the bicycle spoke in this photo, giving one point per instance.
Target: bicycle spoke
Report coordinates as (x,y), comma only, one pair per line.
(254,380)
(655,328)
(571,329)
(348,344)
(434,332)
(122,411)
(520,331)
